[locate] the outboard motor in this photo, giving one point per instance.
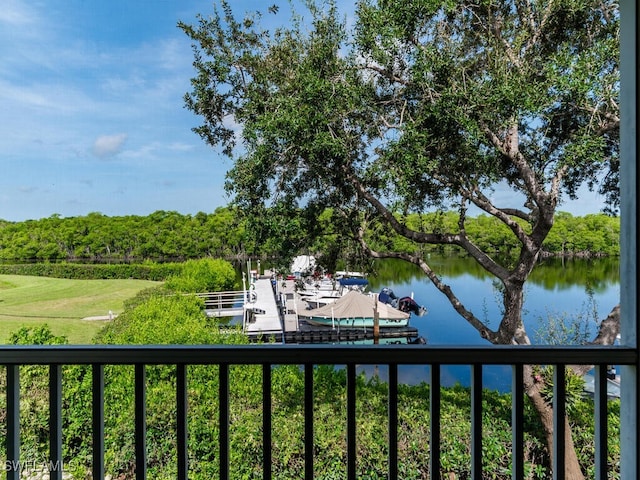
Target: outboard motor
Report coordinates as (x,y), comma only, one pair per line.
(409,305)
(387,296)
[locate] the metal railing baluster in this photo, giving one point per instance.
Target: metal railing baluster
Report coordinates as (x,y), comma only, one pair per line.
(223,400)
(476,421)
(141,421)
(13,422)
(393,421)
(434,418)
(266,421)
(351,421)
(55,422)
(517,422)
(308,421)
(182,425)
(559,413)
(601,421)
(97,421)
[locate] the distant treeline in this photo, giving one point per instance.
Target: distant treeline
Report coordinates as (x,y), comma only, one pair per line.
(592,235)
(223,234)
(97,237)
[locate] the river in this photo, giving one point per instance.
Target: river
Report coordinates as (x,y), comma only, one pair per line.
(581,290)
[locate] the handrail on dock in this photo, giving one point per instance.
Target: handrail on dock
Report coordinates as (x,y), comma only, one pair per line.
(221,299)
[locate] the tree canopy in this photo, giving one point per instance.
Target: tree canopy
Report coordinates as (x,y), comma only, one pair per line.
(422,105)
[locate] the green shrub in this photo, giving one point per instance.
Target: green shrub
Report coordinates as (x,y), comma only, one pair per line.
(205,275)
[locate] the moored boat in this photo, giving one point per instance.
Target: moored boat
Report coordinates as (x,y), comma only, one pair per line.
(356,309)
(325,291)
(302,266)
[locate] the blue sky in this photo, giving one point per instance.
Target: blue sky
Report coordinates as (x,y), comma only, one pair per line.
(92,116)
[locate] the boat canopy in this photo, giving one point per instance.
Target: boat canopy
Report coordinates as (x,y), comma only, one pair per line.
(354,304)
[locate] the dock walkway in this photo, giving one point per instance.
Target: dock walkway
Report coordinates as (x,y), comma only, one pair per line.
(265,318)
(281,322)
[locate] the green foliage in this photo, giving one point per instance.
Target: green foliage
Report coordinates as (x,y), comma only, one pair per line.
(591,235)
(96,237)
(159,317)
(40,335)
(574,387)
(282,232)
(206,275)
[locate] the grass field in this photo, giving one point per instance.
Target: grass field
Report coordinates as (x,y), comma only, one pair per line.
(62,304)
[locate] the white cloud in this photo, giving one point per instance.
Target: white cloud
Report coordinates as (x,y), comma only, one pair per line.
(15,13)
(180,147)
(108,145)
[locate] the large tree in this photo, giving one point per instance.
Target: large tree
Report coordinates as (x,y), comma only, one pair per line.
(422,105)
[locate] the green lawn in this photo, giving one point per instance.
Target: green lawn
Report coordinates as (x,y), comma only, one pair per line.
(62,304)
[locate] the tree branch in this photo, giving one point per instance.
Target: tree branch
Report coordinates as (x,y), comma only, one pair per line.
(459,239)
(482,329)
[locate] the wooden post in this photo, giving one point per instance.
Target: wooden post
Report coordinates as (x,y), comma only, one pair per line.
(376,321)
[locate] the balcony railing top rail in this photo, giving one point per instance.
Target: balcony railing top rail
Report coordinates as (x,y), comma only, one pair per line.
(316,354)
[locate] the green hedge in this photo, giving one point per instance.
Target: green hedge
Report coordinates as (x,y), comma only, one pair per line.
(77,271)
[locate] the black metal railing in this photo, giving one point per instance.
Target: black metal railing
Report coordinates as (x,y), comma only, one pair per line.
(308,356)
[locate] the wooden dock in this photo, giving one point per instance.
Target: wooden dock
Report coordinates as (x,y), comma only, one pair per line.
(317,334)
(277,305)
(269,312)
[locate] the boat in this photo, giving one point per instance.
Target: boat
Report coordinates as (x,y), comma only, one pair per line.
(349,274)
(317,293)
(404,304)
(302,266)
(356,309)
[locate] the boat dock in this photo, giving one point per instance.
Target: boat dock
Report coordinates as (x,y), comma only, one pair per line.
(270,310)
(264,318)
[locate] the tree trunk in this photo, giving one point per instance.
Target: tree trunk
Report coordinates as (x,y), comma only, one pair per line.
(512,326)
(572,471)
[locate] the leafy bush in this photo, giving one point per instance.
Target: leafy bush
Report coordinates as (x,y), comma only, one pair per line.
(206,275)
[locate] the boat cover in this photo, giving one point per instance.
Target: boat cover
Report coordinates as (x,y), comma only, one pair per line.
(354,304)
(386,295)
(353,282)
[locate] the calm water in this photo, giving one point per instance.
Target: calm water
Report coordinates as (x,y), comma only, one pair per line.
(575,288)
